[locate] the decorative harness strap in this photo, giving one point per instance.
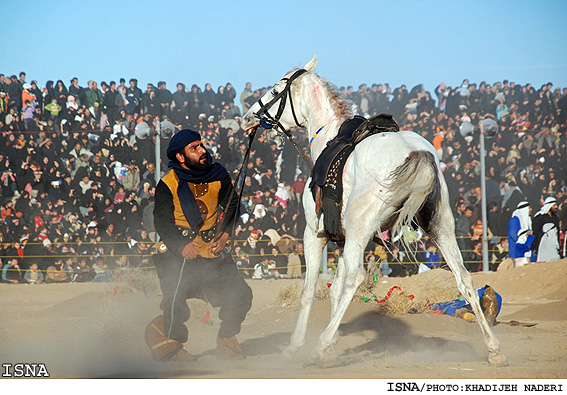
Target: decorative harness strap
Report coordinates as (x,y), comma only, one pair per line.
(267,121)
(263,113)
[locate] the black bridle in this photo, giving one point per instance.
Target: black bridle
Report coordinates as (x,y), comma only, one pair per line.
(267,121)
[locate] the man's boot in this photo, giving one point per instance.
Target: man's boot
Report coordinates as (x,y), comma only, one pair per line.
(228,348)
(489,304)
(162,348)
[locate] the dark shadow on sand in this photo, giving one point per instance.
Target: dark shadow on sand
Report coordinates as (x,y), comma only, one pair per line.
(267,345)
(394,337)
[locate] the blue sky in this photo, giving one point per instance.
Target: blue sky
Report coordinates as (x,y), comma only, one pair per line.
(396,41)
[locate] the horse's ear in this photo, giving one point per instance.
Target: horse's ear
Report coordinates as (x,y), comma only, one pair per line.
(312,64)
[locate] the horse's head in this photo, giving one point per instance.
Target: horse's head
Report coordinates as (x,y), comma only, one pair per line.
(275,111)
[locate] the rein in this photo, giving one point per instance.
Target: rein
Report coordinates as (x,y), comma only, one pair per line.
(300,151)
(223,215)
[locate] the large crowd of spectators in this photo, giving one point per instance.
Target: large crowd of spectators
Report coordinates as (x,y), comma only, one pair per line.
(77,181)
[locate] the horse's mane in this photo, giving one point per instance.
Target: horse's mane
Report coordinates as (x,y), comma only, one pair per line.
(343,107)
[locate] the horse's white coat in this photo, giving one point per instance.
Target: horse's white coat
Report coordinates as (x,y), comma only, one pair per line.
(370,196)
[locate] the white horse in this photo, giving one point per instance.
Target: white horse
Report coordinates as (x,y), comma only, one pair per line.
(390,180)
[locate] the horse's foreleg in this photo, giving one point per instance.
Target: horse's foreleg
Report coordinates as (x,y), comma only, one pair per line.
(353,276)
(448,245)
(313,248)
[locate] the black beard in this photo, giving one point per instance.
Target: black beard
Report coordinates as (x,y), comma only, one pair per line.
(197,166)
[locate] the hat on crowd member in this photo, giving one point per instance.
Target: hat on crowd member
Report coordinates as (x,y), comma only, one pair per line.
(522,212)
(181,140)
(549,202)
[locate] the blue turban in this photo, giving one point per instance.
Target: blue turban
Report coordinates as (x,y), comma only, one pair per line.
(180,140)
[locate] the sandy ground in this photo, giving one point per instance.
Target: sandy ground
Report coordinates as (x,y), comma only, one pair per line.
(96,330)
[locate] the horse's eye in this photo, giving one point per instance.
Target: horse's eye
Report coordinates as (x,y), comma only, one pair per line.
(274,92)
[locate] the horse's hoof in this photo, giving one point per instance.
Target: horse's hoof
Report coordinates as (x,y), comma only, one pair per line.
(331,354)
(313,361)
(289,353)
(498,360)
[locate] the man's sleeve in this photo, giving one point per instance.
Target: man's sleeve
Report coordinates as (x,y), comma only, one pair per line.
(164,221)
(513,228)
(231,214)
(5,272)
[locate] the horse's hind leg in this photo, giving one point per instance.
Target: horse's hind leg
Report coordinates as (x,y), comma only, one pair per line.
(444,235)
(313,247)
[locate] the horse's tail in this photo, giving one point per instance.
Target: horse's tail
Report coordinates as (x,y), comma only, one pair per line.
(415,190)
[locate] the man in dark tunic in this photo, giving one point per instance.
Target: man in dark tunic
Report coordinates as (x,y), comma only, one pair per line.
(191,262)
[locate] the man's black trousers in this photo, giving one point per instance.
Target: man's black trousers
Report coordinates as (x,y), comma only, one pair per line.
(215,280)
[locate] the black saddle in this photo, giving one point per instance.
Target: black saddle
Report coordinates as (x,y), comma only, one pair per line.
(326,176)
(333,148)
